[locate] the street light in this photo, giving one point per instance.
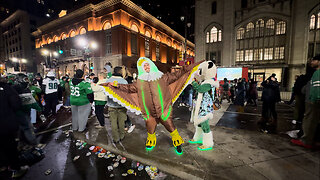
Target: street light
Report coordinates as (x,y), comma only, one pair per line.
(87,45)
(94,45)
(20,61)
(47,53)
(185,37)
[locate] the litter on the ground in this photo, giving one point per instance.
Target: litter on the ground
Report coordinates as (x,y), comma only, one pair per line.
(101,155)
(130,171)
(116,164)
(110,168)
(123,160)
(88,154)
(124,174)
(48,171)
(91,148)
(76,158)
(140,168)
(111,175)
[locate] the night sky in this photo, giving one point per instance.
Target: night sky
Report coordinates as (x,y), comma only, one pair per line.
(168,11)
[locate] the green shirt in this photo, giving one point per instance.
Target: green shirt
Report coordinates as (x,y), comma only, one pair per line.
(100,103)
(35,90)
(315,87)
(78,96)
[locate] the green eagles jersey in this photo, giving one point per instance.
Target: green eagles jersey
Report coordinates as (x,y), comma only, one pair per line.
(35,90)
(78,96)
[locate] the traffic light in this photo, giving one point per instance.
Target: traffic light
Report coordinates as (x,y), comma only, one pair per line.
(60,51)
(91,65)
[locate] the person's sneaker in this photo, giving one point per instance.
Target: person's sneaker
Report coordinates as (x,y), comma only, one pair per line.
(131,128)
(20,173)
(99,127)
(179,150)
(300,143)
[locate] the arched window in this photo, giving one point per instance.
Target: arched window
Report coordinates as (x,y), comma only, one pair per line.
(72,33)
(158,38)
(169,42)
(106,26)
(270,27)
(63,36)
(250,30)
(219,35)
(281,27)
(214,34)
(134,28)
(318,21)
(312,21)
(55,38)
(240,33)
(208,37)
(82,31)
(259,28)
(147,34)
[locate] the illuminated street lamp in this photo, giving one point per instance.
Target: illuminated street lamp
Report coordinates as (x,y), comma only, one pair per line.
(47,53)
(88,46)
(20,61)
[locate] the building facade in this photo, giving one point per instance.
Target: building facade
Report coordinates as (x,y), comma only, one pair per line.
(17,44)
(268,36)
(115,31)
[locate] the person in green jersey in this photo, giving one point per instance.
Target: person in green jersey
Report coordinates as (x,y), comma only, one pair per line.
(80,98)
(311,120)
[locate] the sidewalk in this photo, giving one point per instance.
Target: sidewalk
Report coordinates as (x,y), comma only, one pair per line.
(237,154)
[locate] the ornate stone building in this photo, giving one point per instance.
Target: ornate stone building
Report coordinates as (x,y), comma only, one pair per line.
(116,31)
(268,36)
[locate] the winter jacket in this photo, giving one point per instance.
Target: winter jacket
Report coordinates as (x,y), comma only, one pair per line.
(99,92)
(271,92)
(10,102)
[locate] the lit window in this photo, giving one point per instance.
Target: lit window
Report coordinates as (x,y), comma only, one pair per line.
(148,34)
(147,47)
(318,21)
(55,38)
(158,38)
(63,36)
(268,53)
(72,34)
(82,31)
(249,55)
(270,27)
(214,34)
(208,37)
(312,22)
(239,55)
(219,35)
(250,30)
(259,28)
(49,41)
(279,53)
(240,33)
(281,27)
(258,54)
(134,28)
(106,26)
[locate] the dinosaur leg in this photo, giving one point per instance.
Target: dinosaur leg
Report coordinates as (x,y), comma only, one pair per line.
(197,137)
(207,137)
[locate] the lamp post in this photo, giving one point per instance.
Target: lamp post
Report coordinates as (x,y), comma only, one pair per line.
(186,26)
(87,46)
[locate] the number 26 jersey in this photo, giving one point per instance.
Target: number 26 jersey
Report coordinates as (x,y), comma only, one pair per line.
(78,96)
(51,85)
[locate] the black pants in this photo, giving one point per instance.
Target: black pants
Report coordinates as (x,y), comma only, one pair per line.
(51,103)
(269,110)
(99,114)
(8,151)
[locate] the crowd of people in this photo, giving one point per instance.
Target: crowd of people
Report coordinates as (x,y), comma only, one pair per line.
(26,99)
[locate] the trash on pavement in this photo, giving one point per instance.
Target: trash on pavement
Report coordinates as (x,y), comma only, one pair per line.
(110,168)
(161,176)
(124,174)
(101,155)
(123,160)
(140,168)
(76,158)
(91,148)
(48,171)
(130,171)
(111,175)
(116,164)
(88,154)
